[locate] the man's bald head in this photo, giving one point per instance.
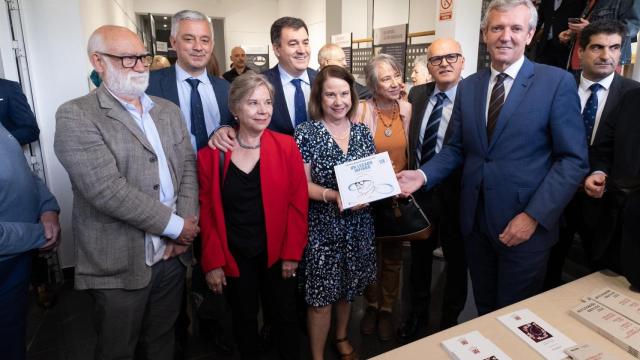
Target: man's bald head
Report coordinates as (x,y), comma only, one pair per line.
(331,54)
(445,62)
(238,58)
(106,37)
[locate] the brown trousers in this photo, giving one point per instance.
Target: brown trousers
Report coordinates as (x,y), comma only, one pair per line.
(383,293)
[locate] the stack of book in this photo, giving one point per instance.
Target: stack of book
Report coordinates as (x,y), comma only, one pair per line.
(613,315)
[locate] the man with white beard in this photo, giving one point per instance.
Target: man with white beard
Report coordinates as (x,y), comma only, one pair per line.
(133,174)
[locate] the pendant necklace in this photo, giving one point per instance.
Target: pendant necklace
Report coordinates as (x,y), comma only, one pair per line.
(387,127)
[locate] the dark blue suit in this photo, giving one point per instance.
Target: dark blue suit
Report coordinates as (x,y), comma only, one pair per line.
(536,159)
(162,83)
(15,113)
(280,119)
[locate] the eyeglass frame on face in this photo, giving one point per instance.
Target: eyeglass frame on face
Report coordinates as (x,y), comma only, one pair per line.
(437,60)
(137,58)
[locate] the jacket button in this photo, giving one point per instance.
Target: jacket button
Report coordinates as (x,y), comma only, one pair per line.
(156,187)
(153,159)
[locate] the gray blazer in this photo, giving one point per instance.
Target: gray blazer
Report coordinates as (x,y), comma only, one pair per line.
(114,176)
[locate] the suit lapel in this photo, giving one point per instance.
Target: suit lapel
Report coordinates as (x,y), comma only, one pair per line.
(614,94)
(116,111)
(170,87)
(280,100)
(417,114)
(480,100)
(517,93)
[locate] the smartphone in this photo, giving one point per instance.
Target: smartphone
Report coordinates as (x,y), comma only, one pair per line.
(574,20)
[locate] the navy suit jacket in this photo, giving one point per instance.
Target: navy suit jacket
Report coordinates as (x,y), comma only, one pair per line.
(535,161)
(280,119)
(162,83)
(15,113)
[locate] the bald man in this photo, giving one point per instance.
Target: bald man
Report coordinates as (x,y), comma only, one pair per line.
(134,203)
(431,108)
(332,54)
(238,64)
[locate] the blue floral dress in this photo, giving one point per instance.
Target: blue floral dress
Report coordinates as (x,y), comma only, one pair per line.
(339,260)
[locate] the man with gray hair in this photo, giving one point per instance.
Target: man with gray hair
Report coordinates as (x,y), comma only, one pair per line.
(518,134)
(202,98)
(133,174)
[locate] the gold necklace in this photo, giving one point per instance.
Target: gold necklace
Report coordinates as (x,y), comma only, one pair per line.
(343,137)
(387,127)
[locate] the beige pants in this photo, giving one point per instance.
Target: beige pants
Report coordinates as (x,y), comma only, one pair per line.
(383,293)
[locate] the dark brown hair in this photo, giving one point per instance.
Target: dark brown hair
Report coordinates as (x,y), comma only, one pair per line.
(315,99)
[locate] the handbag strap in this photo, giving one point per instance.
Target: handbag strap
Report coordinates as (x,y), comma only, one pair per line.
(221,166)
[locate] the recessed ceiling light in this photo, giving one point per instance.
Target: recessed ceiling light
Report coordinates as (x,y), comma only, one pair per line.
(165,18)
(165,25)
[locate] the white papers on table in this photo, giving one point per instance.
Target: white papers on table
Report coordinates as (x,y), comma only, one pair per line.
(587,352)
(365,180)
(473,346)
(537,333)
(625,305)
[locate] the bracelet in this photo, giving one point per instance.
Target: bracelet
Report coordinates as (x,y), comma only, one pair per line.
(324,192)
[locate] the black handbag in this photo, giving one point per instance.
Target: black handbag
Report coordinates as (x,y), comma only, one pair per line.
(401,219)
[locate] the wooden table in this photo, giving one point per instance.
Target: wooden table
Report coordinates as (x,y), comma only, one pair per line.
(552,306)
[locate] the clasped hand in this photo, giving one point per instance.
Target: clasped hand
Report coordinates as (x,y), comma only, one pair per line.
(189,231)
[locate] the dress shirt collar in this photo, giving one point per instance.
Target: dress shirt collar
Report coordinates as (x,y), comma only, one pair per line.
(145,101)
(512,70)
(451,93)
(183,75)
(586,83)
(286,78)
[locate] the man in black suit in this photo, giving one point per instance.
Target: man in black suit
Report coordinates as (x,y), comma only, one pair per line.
(553,19)
(600,89)
(291,79)
(431,108)
(15,114)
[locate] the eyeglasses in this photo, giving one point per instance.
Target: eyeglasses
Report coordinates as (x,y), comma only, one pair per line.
(437,60)
(130,61)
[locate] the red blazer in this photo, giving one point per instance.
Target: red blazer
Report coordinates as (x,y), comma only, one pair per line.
(284,195)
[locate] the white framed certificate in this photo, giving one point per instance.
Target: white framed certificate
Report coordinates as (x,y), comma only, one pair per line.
(365,180)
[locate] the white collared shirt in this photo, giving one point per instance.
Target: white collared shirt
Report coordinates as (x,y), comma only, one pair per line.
(290,91)
(584,92)
(208,97)
(153,243)
(447,109)
(512,71)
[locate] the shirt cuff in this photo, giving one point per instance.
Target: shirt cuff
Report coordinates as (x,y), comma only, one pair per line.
(424,176)
(174,227)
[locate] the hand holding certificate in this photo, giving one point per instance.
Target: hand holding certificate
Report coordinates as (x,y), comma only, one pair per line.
(365,180)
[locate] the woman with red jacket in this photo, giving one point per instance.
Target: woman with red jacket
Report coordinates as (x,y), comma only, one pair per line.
(253,219)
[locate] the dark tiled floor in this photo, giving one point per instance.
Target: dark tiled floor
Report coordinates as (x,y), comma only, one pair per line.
(66,333)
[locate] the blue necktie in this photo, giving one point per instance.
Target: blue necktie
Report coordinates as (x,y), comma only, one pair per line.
(590,110)
(198,127)
(430,138)
(299,105)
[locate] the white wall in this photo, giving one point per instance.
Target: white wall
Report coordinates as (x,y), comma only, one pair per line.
(390,12)
(55,43)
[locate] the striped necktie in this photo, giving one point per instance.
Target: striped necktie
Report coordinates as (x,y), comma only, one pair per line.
(430,138)
(495,104)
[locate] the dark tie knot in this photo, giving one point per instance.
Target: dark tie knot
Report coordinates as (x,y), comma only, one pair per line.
(194,83)
(296,82)
(595,87)
(500,78)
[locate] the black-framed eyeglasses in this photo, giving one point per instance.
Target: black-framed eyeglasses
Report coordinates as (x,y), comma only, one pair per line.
(437,60)
(130,61)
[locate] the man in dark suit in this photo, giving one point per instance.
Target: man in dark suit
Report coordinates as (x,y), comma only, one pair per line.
(15,114)
(206,109)
(615,165)
(291,79)
(518,134)
(553,20)
(431,107)
(600,90)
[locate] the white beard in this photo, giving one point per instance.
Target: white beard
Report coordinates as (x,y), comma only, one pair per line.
(130,84)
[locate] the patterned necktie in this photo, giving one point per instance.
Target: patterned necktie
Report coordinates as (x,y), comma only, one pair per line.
(198,127)
(590,110)
(299,105)
(430,138)
(495,104)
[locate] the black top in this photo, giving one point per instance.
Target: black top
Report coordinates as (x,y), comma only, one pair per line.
(244,212)
(233,74)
